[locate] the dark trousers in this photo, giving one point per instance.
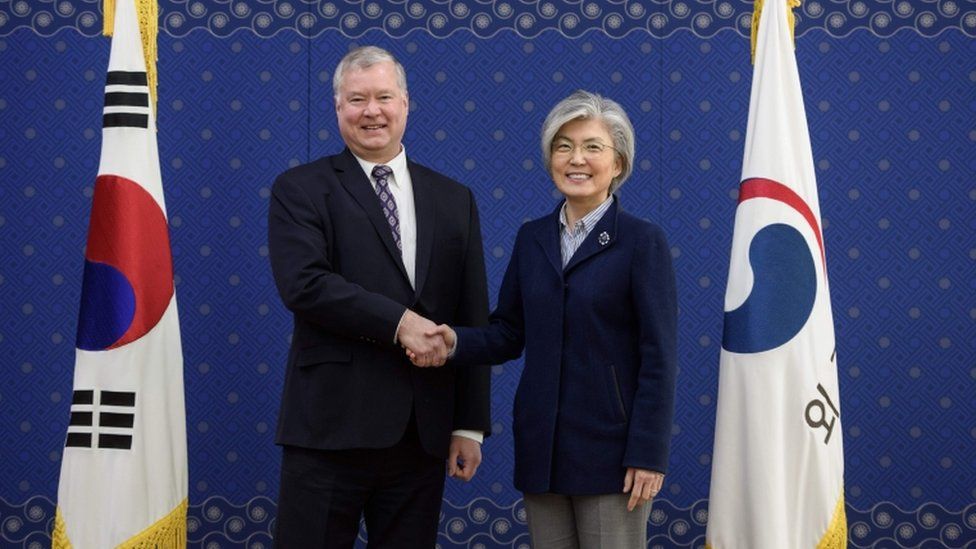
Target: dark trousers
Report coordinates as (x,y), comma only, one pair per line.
(324,493)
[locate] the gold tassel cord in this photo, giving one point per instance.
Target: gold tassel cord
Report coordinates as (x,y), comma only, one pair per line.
(757,11)
(108,17)
(147,11)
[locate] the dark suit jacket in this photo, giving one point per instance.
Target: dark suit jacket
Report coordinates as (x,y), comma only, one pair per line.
(347,385)
(597,392)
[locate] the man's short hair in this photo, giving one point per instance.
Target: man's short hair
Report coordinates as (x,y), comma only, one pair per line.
(363,58)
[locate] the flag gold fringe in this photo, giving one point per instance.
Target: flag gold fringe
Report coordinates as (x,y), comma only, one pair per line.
(757,11)
(836,535)
(59,535)
(168,532)
(147,11)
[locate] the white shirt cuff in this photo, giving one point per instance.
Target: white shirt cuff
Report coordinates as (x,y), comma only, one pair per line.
(396,333)
(476,436)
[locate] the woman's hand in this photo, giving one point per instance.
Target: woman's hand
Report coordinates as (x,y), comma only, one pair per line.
(642,484)
(445,331)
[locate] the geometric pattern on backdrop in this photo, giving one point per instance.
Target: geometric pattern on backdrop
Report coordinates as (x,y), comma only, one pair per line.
(893,133)
(216,522)
(486,19)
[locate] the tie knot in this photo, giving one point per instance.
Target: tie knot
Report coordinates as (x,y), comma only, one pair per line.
(381,172)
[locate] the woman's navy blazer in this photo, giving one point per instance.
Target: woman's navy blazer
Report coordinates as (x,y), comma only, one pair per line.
(597,392)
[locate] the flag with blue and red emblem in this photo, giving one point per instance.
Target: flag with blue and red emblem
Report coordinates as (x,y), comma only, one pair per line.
(124,471)
(778,461)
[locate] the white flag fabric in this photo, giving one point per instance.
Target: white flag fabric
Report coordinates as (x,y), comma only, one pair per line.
(124,468)
(778,463)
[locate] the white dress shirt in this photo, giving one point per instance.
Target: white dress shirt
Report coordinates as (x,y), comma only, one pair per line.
(402,188)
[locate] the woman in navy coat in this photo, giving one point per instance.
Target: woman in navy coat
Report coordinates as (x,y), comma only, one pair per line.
(590,295)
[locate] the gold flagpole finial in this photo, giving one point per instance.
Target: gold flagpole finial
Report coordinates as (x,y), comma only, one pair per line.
(147,11)
(757,11)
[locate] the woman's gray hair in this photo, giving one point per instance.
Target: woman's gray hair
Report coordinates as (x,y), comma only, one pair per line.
(583,105)
(363,58)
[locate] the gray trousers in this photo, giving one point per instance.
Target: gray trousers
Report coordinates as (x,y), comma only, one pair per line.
(586,522)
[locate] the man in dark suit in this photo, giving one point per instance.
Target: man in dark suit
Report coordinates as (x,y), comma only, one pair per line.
(365,247)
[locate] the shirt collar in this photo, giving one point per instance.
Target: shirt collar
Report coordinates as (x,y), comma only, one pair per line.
(587,221)
(398,164)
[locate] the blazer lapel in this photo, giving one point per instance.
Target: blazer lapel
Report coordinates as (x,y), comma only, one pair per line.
(423,200)
(548,238)
(352,177)
(601,238)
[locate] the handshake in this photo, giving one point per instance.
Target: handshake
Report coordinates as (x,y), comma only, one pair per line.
(426,343)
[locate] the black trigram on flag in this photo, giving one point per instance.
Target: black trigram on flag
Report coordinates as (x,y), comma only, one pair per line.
(126,100)
(114,412)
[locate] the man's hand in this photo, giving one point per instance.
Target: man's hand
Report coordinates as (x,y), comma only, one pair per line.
(464,458)
(423,350)
(443,333)
(642,484)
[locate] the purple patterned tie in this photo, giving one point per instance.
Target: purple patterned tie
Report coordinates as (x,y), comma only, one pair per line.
(382,173)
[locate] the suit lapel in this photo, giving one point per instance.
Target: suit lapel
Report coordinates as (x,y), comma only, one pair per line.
(601,238)
(548,238)
(424,197)
(352,177)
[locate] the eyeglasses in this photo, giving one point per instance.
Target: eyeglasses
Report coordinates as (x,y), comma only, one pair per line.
(590,149)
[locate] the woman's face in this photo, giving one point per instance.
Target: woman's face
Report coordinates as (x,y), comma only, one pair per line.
(584,161)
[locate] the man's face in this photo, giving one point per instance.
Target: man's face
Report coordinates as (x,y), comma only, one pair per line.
(372,112)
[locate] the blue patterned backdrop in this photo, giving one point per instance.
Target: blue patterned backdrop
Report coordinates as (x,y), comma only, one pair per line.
(890,91)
